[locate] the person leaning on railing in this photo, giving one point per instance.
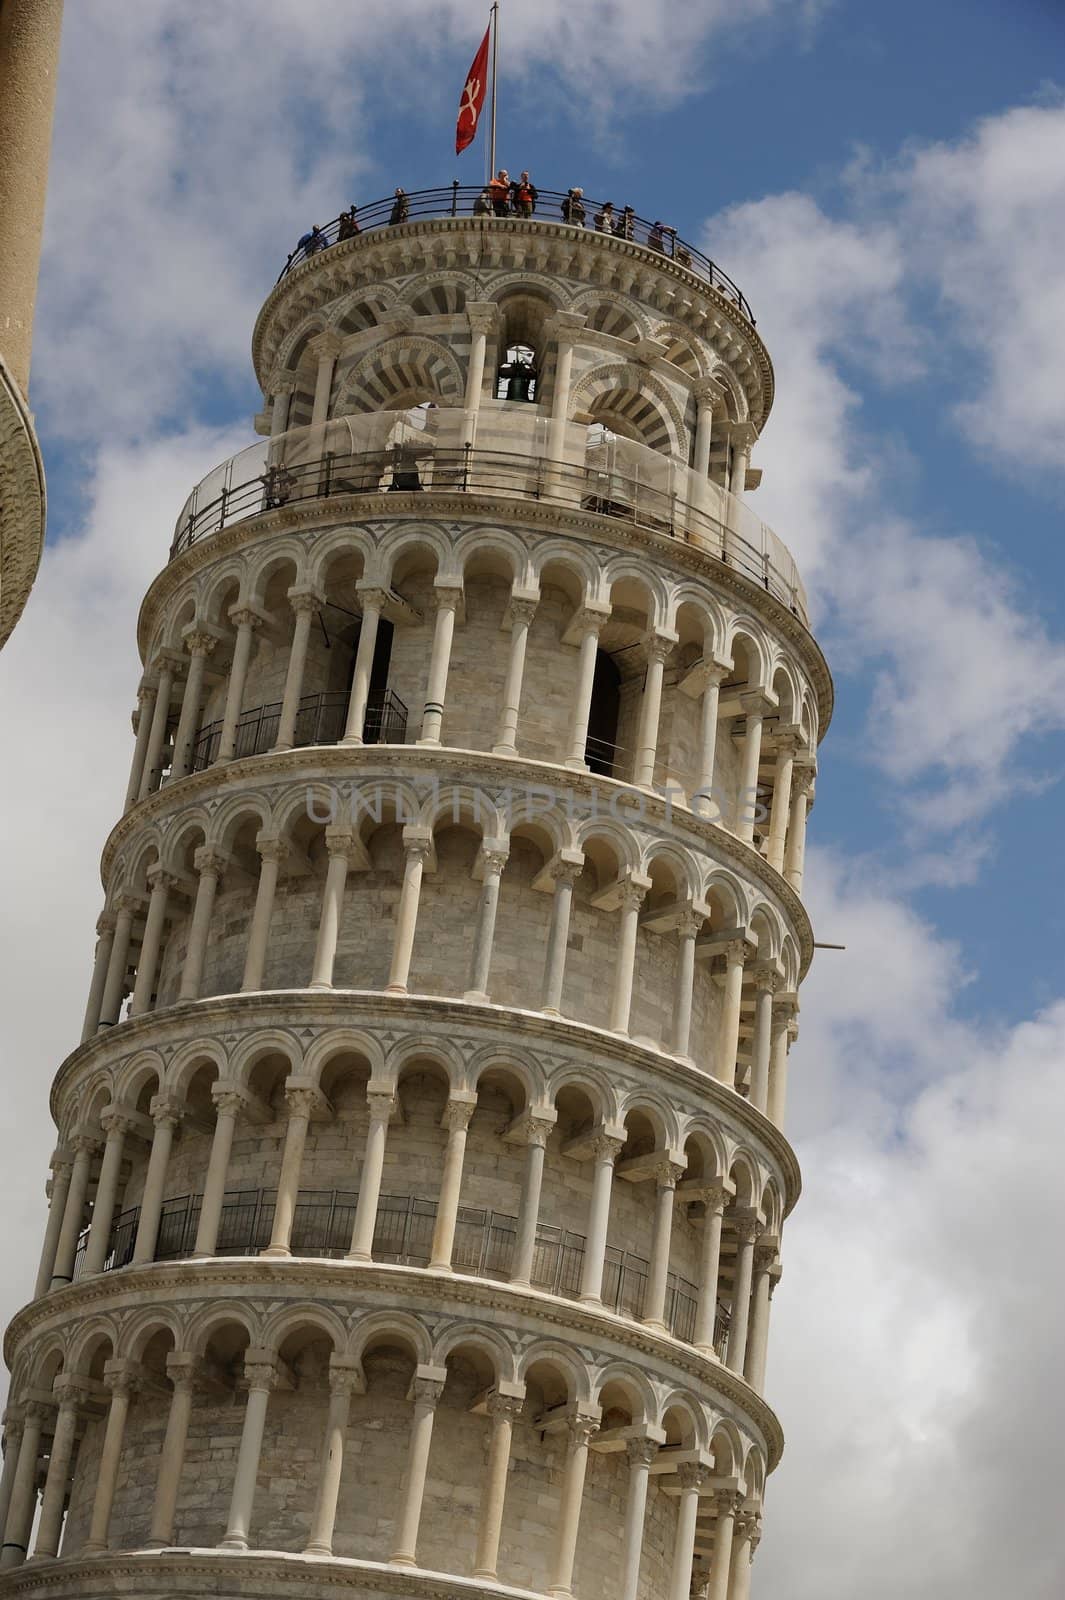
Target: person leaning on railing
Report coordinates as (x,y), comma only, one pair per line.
(623,225)
(523,196)
(499,193)
(400,208)
(604,219)
(313,241)
(573,208)
(349,226)
(656,239)
(482,206)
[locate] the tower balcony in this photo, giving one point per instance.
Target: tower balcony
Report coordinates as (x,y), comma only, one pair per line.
(420,452)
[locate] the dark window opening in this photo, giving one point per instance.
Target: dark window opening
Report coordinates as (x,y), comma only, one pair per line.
(601,751)
(517,377)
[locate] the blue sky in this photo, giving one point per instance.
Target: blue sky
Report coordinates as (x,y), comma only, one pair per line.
(887,184)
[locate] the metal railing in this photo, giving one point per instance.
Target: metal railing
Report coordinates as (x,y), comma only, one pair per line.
(484,1245)
(471,470)
(320,719)
(552,205)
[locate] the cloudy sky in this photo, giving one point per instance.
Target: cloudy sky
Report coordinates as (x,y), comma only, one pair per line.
(887,184)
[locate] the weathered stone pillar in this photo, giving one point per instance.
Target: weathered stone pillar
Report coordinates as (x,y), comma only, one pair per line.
(785,1030)
(780,807)
(166,1114)
(260,1369)
(182,1369)
(126,908)
(71,1396)
(146,698)
(23,1500)
(563,327)
(801,801)
(152,770)
(565,869)
(503,1410)
(746,1230)
(691,1476)
(605,1150)
(199,646)
(272,852)
(630,899)
(305,603)
(706,394)
(640,1454)
(121,1378)
(536,1132)
(747,797)
(659,649)
(160,882)
(228,1101)
(715,1198)
(373,602)
(713,676)
(688,927)
(765,1265)
(768,980)
(728,1038)
(247,621)
(447,601)
(340,842)
(425,1391)
(580,1430)
(382,1107)
(588,623)
(116,1123)
(210,865)
(343,1382)
(326,346)
(745,1538)
(301,1103)
(84,1147)
(665,1181)
(418,848)
(105,939)
(62,1171)
(720,1562)
(456,1119)
(491,863)
(482,316)
(12,1441)
(520,613)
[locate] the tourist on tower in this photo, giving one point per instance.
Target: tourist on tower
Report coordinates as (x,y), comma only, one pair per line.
(523,195)
(482,206)
(349,226)
(623,224)
(604,218)
(312,242)
(400,208)
(573,208)
(499,190)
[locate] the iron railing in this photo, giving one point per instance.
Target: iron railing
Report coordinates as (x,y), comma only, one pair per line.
(320,719)
(484,1244)
(471,470)
(459,200)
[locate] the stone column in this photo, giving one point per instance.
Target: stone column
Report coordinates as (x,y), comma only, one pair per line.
(340,844)
(640,1453)
(745,1537)
(580,1430)
(301,1103)
(632,898)
(765,1262)
(146,698)
(504,1410)
(228,1101)
(565,871)
(746,1229)
(326,346)
(456,1119)
(721,1560)
(418,850)
(537,1133)
(589,623)
(116,1124)
(801,801)
(492,863)
(182,1369)
(520,612)
(120,1377)
(23,1500)
(166,1114)
(382,1107)
(691,1476)
(715,1198)
(199,646)
(659,648)
(151,772)
(126,908)
(210,865)
(343,1381)
(665,1181)
(247,622)
(742,437)
(706,392)
(605,1151)
(260,1369)
(160,882)
(563,328)
(59,1188)
(272,852)
(713,677)
(71,1396)
(282,389)
(425,1392)
(768,980)
(12,1441)
(373,603)
(105,939)
(780,806)
(747,798)
(482,315)
(687,930)
(84,1147)
(447,601)
(785,1030)
(728,1038)
(305,603)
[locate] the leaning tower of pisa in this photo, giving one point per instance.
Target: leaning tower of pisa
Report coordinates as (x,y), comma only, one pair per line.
(417,1202)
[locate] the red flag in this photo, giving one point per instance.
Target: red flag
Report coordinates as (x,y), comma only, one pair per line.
(472,97)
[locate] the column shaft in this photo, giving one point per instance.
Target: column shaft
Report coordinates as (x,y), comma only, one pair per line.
(641,1452)
(569,1511)
(23,1500)
(625,963)
(684,1542)
(360,683)
(288,1183)
(502,1409)
(238,672)
(306,611)
(484,938)
(796,850)
(778,1067)
(171,1460)
(606,1150)
(111,1004)
(507,736)
(650,713)
(191,701)
(708,720)
(217,1170)
(103,1210)
(407,917)
(101,963)
(271,854)
(684,986)
(741,1299)
(62,1173)
(780,808)
(747,799)
(73,1213)
(529,1209)
(336,879)
(323,1519)
(456,1120)
(654,1311)
(166,1117)
(728,1039)
(582,698)
(209,865)
(709,1271)
(54,1499)
(436,687)
(421,1434)
(107,1470)
(160,714)
(248,1456)
(148,961)
(373,1163)
(558,938)
(146,699)
(721,1560)
(763,1023)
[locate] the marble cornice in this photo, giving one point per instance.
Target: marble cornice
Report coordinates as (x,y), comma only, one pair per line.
(466,509)
(530,243)
(22,502)
(403,1287)
(339,1008)
(317,763)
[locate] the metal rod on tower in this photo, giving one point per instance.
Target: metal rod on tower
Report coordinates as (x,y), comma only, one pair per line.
(495,79)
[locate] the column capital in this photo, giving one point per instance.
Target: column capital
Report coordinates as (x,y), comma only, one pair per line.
(448,597)
(159,878)
(345,1379)
(742,435)
(457,1115)
(165,1108)
(768,976)
(426,1387)
(368,595)
(273,848)
(71,1392)
(641,1451)
(566,866)
(326,343)
(715,1196)
(61,1160)
(37,1411)
(246,617)
(171,661)
(707,391)
(418,844)
(532,1130)
(105,922)
(666,1173)
(726,1502)
(117,1119)
(690,921)
(208,860)
(281,382)
(342,840)
(659,646)
(766,1252)
(129,901)
(508,1406)
(302,1101)
(564,326)
(122,1377)
(581,1428)
(183,1369)
(261,1371)
(308,600)
(591,617)
(86,1142)
(605,1146)
(521,608)
(382,1104)
(746,1226)
(482,315)
(631,894)
(229,1098)
(492,860)
(199,642)
(693,1474)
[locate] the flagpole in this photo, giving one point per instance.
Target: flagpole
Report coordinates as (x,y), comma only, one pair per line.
(495,76)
